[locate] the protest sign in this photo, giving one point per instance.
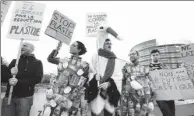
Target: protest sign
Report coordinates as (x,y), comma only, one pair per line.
(60,27)
(187,54)
(173,84)
(4,9)
(26,20)
(93,21)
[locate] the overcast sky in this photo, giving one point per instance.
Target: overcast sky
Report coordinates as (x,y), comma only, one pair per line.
(168,22)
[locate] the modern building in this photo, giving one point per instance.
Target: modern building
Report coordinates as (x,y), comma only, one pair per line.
(169,53)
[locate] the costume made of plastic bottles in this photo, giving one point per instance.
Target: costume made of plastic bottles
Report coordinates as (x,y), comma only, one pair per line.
(136,97)
(66,95)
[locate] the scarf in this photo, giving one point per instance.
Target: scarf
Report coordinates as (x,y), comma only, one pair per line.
(110,64)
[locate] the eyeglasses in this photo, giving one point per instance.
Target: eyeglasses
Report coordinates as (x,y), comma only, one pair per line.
(108,43)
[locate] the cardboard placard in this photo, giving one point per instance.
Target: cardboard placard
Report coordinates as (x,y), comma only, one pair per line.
(4,9)
(26,21)
(187,54)
(173,84)
(61,27)
(93,21)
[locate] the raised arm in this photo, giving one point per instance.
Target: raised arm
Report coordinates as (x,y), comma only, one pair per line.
(52,57)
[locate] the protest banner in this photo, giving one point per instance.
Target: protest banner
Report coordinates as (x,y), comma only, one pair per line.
(93,21)
(173,84)
(26,20)
(60,27)
(4,9)
(187,54)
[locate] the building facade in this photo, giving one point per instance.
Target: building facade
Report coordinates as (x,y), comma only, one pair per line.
(169,53)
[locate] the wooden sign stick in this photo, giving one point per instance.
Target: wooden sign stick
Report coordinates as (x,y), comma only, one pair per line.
(16,65)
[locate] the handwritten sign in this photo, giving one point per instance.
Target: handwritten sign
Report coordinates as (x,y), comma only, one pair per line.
(93,21)
(26,21)
(4,9)
(187,53)
(60,27)
(172,84)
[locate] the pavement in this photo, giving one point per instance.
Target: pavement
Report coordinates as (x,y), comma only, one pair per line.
(181,110)
(39,100)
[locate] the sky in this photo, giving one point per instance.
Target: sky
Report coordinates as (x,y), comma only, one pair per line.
(135,21)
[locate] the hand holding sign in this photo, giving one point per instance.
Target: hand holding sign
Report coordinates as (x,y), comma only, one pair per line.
(104,85)
(14,71)
(58,48)
(13,81)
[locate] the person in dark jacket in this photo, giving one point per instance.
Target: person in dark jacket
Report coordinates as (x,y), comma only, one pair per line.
(28,73)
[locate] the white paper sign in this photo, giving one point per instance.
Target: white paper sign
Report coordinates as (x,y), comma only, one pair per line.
(4,9)
(60,27)
(26,21)
(93,22)
(173,84)
(187,54)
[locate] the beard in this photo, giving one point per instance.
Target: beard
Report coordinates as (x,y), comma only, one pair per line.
(109,48)
(133,60)
(24,53)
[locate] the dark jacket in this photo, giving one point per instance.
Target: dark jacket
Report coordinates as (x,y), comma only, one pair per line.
(5,74)
(30,72)
(112,91)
